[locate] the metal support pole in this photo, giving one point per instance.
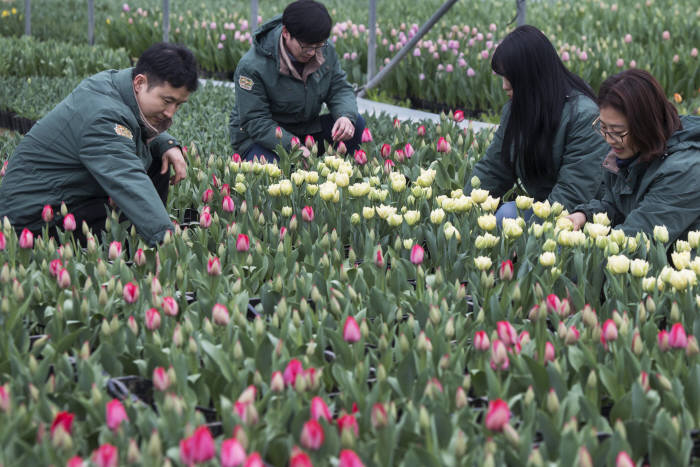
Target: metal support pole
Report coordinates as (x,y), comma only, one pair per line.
(521,12)
(372,46)
(166,20)
(407,48)
(28,17)
(91,22)
(253,16)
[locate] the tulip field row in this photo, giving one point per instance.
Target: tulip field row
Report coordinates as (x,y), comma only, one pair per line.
(346,310)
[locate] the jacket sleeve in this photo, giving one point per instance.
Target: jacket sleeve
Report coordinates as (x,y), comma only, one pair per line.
(254,114)
(340,99)
(604,203)
(162,143)
(672,200)
(494,176)
(113,162)
(580,173)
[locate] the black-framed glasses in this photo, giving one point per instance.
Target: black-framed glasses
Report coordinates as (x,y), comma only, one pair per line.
(617,136)
(310,48)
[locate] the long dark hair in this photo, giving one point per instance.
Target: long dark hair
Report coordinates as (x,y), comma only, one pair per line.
(651,118)
(540,83)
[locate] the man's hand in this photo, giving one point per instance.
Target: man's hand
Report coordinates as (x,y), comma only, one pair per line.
(174,157)
(343,129)
(578,219)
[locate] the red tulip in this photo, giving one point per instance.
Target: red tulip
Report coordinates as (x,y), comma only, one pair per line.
(609,332)
(139,257)
(130,292)
(161,380)
(26,239)
(115,250)
(75,461)
(214,266)
(254,460)
(236,158)
(553,303)
(399,155)
(408,150)
(360,157)
(219,314)
(55,267)
(152,319)
(481,341)
(3,242)
(366,135)
(548,352)
(283,232)
(227,204)
(319,409)
(443,145)
(458,116)
(242,243)
(506,333)
(348,422)
(307,213)
(197,448)
(170,307)
(115,414)
(348,458)
(420,131)
(385,150)
(295,142)
(5,397)
(342,149)
(299,458)
(208,195)
(417,254)
(64,420)
(397,123)
(662,340)
(47,213)
(294,368)
(388,165)
(106,456)
(278,133)
(505,273)
(205,218)
(232,453)
(214,181)
(309,141)
(69,222)
(351,331)
(312,435)
(498,415)
(677,339)
(379,258)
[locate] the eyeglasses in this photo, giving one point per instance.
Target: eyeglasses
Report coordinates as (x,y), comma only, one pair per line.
(310,48)
(616,136)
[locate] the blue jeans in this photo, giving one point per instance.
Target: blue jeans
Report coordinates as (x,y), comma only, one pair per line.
(509,210)
(327,123)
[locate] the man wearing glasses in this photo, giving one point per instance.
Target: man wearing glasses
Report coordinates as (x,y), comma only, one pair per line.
(282,82)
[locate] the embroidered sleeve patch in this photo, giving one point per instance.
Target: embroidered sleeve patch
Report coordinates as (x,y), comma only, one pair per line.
(245,83)
(121,130)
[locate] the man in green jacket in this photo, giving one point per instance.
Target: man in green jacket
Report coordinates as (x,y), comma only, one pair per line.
(106,143)
(282,82)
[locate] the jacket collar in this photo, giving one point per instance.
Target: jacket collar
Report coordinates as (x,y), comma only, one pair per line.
(125,86)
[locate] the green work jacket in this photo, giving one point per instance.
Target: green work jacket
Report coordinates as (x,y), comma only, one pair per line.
(266,97)
(91,145)
(665,191)
(578,150)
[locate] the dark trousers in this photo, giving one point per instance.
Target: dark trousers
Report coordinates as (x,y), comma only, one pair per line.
(325,134)
(95,211)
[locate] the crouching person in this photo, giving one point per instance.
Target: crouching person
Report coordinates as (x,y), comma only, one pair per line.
(106,141)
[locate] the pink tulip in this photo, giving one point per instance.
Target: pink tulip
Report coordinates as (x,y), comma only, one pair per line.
(319,409)
(115,414)
(408,150)
(348,422)
(26,239)
(219,314)
(628,38)
(620,63)
(309,141)
(312,435)
(214,266)
(694,52)
(399,155)
(295,142)
(505,272)
(662,340)
(624,460)
(307,213)
(397,123)
(283,232)
(64,420)
(609,332)
(458,116)
(378,416)
(69,222)
(548,352)
(205,218)
(481,341)
(152,319)
(572,335)
(5,397)
(351,331)
(388,165)
(506,333)
(227,204)
(161,380)
(666,35)
(139,257)
(170,306)
(348,458)
(294,368)
(254,460)
(554,304)
(207,195)
(3,242)
(583,56)
(236,158)
(75,461)
(130,292)
(443,145)
(366,135)
(278,133)
(497,415)
(55,267)
(299,459)
(565,57)
(47,213)
(115,250)
(360,157)
(385,150)
(499,356)
(677,339)
(276,382)
(197,448)
(63,278)
(420,131)
(232,453)
(106,456)
(379,258)
(417,254)
(470,72)
(242,243)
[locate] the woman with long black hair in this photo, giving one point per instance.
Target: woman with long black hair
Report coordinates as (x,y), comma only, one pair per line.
(545,139)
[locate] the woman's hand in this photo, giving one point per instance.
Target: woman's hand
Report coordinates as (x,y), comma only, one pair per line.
(578,219)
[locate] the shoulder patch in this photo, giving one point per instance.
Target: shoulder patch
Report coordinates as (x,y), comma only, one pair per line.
(245,83)
(121,130)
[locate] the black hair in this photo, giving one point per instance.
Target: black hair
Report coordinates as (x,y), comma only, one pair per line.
(171,63)
(541,84)
(308,21)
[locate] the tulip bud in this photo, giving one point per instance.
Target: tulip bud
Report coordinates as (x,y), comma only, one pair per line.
(552,402)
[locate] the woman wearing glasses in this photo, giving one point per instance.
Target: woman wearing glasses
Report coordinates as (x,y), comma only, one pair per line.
(652,173)
(545,139)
